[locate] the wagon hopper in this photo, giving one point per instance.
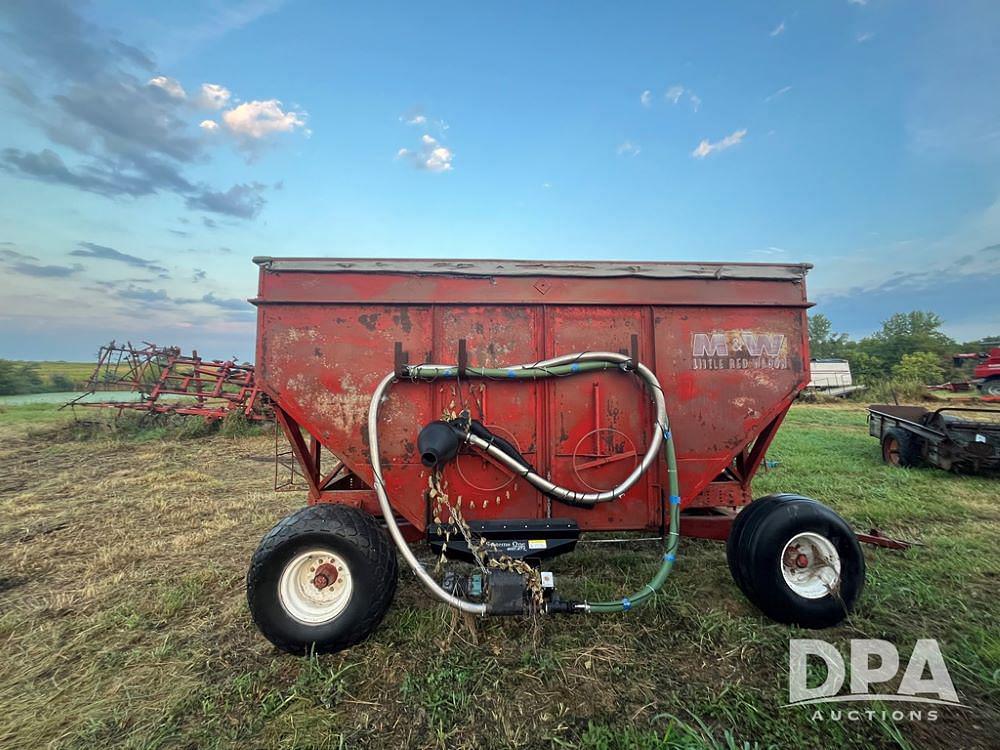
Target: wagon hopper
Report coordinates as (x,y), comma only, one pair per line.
(497,409)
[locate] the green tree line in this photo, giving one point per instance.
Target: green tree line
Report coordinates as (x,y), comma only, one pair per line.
(909,347)
(18,378)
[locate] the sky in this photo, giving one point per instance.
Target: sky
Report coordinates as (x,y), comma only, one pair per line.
(149,150)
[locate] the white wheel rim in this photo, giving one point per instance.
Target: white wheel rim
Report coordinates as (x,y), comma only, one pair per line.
(315,587)
(810,565)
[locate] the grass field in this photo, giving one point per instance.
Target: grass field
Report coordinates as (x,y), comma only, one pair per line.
(78,372)
(123,621)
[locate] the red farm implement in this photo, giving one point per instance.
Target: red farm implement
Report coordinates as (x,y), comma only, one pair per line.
(166,381)
(497,409)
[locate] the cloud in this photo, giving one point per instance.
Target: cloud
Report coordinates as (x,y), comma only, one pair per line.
(864,36)
(240,305)
(48,272)
(213,96)
(114,130)
(209,223)
(133,54)
(14,255)
(780,92)
(18,89)
(111,181)
(646,99)
(29,265)
(50,32)
(677,91)
(103,252)
(258,119)
(958,289)
(417,117)
(213,21)
(169,86)
(706,147)
(628,148)
(127,121)
(136,290)
(431,155)
(139,294)
(243,201)
(857,2)
(779,29)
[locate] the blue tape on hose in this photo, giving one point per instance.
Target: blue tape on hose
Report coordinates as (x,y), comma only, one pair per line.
(626,604)
(448,373)
(575,367)
(670,557)
(666,434)
(675,499)
(511,373)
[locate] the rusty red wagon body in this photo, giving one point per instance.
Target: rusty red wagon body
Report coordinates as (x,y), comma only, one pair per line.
(727,342)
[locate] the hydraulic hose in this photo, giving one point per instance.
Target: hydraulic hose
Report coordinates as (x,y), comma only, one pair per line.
(564,366)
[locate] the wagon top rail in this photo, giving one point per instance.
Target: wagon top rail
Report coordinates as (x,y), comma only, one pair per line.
(579,269)
(961,417)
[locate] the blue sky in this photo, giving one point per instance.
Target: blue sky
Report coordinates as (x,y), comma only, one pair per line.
(148,151)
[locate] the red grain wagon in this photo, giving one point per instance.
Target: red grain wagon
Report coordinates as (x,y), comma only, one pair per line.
(497,409)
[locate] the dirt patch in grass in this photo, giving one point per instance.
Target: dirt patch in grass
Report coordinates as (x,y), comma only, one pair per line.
(123,621)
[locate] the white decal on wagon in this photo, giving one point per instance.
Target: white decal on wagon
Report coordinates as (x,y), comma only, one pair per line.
(739,350)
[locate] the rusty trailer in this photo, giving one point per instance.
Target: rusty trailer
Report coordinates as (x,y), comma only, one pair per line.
(954,438)
(498,409)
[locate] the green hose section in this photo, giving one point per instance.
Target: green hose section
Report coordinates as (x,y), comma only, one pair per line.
(648,591)
(673,540)
(425,372)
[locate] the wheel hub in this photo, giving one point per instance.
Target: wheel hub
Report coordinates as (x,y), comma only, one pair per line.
(892,451)
(810,565)
(315,587)
(326,575)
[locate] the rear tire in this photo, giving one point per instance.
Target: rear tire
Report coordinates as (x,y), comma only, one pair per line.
(744,519)
(901,448)
(990,387)
(321,579)
(799,563)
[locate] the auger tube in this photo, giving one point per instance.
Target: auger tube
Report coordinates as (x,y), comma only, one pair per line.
(563,366)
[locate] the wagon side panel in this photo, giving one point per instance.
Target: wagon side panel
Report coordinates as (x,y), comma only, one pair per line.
(727,373)
(322,363)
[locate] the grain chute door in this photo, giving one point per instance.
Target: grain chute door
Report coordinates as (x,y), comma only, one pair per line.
(600,422)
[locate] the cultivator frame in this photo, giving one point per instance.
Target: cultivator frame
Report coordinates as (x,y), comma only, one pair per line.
(171,382)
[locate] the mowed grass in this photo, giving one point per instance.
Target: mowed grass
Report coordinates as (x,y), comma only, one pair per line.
(123,621)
